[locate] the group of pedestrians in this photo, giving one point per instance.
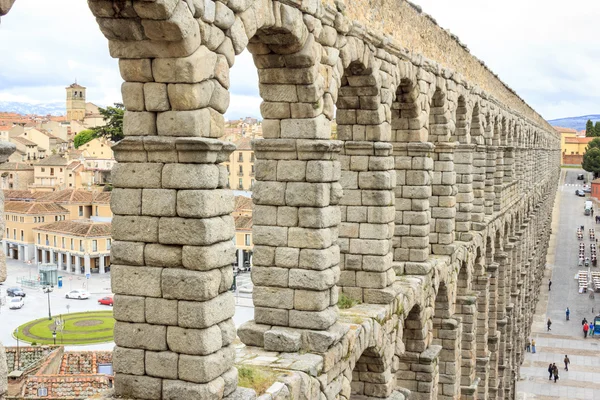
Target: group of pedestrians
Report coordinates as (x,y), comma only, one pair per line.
(553,369)
(588,328)
(530,346)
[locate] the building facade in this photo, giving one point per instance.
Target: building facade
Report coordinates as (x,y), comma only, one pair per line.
(241,166)
(16,176)
(75,102)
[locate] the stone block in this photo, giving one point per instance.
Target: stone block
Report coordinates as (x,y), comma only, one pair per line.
(139,123)
(159,202)
(318,320)
(228,332)
(309,128)
(176,389)
(155,97)
(270,235)
(136,229)
(141,336)
(324,217)
(204,203)
(183,284)
(162,364)
(136,70)
(129,308)
(309,238)
(133,96)
(291,170)
(161,311)
(302,194)
(252,334)
(310,300)
(283,340)
(194,341)
(158,255)
(205,258)
(271,316)
(138,387)
(195,232)
(311,279)
(195,68)
(269,193)
(273,297)
(203,369)
(286,216)
(137,175)
(127,253)
(126,201)
(184,123)
(270,276)
(188,97)
(193,314)
(128,361)
(147,280)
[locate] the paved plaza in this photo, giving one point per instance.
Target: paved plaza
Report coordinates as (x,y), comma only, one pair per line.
(582,381)
(36,302)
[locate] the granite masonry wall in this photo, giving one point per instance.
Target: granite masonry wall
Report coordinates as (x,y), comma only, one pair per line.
(431,208)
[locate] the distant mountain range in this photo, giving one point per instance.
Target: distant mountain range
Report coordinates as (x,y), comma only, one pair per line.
(54,108)
(574,122)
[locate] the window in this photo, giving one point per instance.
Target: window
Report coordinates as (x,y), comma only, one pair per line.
(108,243)
(51,171)
(96,211)
(240,157)
(47,240)
(22,219)
(54,240)
(241,173)
(240,184)
(81,245)
(94,245)
(252,157)
(15,234)
(81,211)
(22,236)
(43,219)
(39,239)
(247,239)
(252,170)
(63,242)
(71,244)
(61,170)
(10,176)
(43,169)
(7,232)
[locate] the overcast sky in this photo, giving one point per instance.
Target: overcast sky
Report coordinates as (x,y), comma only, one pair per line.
(544,49)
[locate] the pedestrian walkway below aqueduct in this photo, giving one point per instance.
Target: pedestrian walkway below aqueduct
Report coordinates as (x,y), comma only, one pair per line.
(582,381)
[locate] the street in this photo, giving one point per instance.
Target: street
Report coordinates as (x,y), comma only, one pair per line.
(582,381)
(36,302)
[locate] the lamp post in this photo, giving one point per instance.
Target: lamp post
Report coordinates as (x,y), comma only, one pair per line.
(48,289)
(54,336)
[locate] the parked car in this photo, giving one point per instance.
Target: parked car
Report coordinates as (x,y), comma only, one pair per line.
(16,302)
(78,294)
(580,193)
(580,177)
(15,291)
(107,301)
(587,189)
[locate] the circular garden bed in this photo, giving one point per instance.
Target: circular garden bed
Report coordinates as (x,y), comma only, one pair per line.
(76,328)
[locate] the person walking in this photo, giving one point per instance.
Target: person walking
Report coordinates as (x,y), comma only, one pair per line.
(528,346)
(550,371)
(591,330)
(549,284)
(583,321)
(533,346)
(568,312)
(555,372)
(567,362)
(549,323)
(586,328)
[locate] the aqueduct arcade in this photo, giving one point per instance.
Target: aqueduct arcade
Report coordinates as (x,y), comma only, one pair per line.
(430,205)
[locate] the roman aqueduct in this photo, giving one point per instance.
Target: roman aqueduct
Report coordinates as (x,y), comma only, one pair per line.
(431,205)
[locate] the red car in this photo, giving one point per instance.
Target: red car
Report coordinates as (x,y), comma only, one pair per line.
(107,301)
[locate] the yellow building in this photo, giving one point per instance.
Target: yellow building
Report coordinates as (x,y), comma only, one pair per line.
(75,102)
(241,166)
(78,247)
(572,145)
(21,218)
(242,216)
(56,173)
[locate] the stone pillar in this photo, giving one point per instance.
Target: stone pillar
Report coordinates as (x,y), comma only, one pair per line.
(367,214)
(413,171)
(87,264)
(172,233)
(499,180)
(479,173)
(68,262)
(44,256)
(463,164)
(102,268)
(482,285)
(51,252)
(490,172)
(60,261)
(295,228)
(443,200)
(467,307)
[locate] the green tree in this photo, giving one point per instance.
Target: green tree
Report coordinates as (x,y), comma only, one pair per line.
(83,137)
(591,160)
(113,129)
(589,129)
(595,143)
(597,128)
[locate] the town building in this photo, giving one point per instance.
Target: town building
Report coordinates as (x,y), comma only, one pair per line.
(21,218)
(242,216)
(16,175)
(573,145)
(78,247)
(241,165)
(75,102)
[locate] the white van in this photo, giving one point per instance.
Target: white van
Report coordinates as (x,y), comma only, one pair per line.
(588,207)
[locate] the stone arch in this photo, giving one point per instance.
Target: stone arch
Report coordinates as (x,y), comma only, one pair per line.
(372,375)
(479,167)
(368,180)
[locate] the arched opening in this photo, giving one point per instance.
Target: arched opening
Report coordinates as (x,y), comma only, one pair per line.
(479,163)
(463,166)
(466,302)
